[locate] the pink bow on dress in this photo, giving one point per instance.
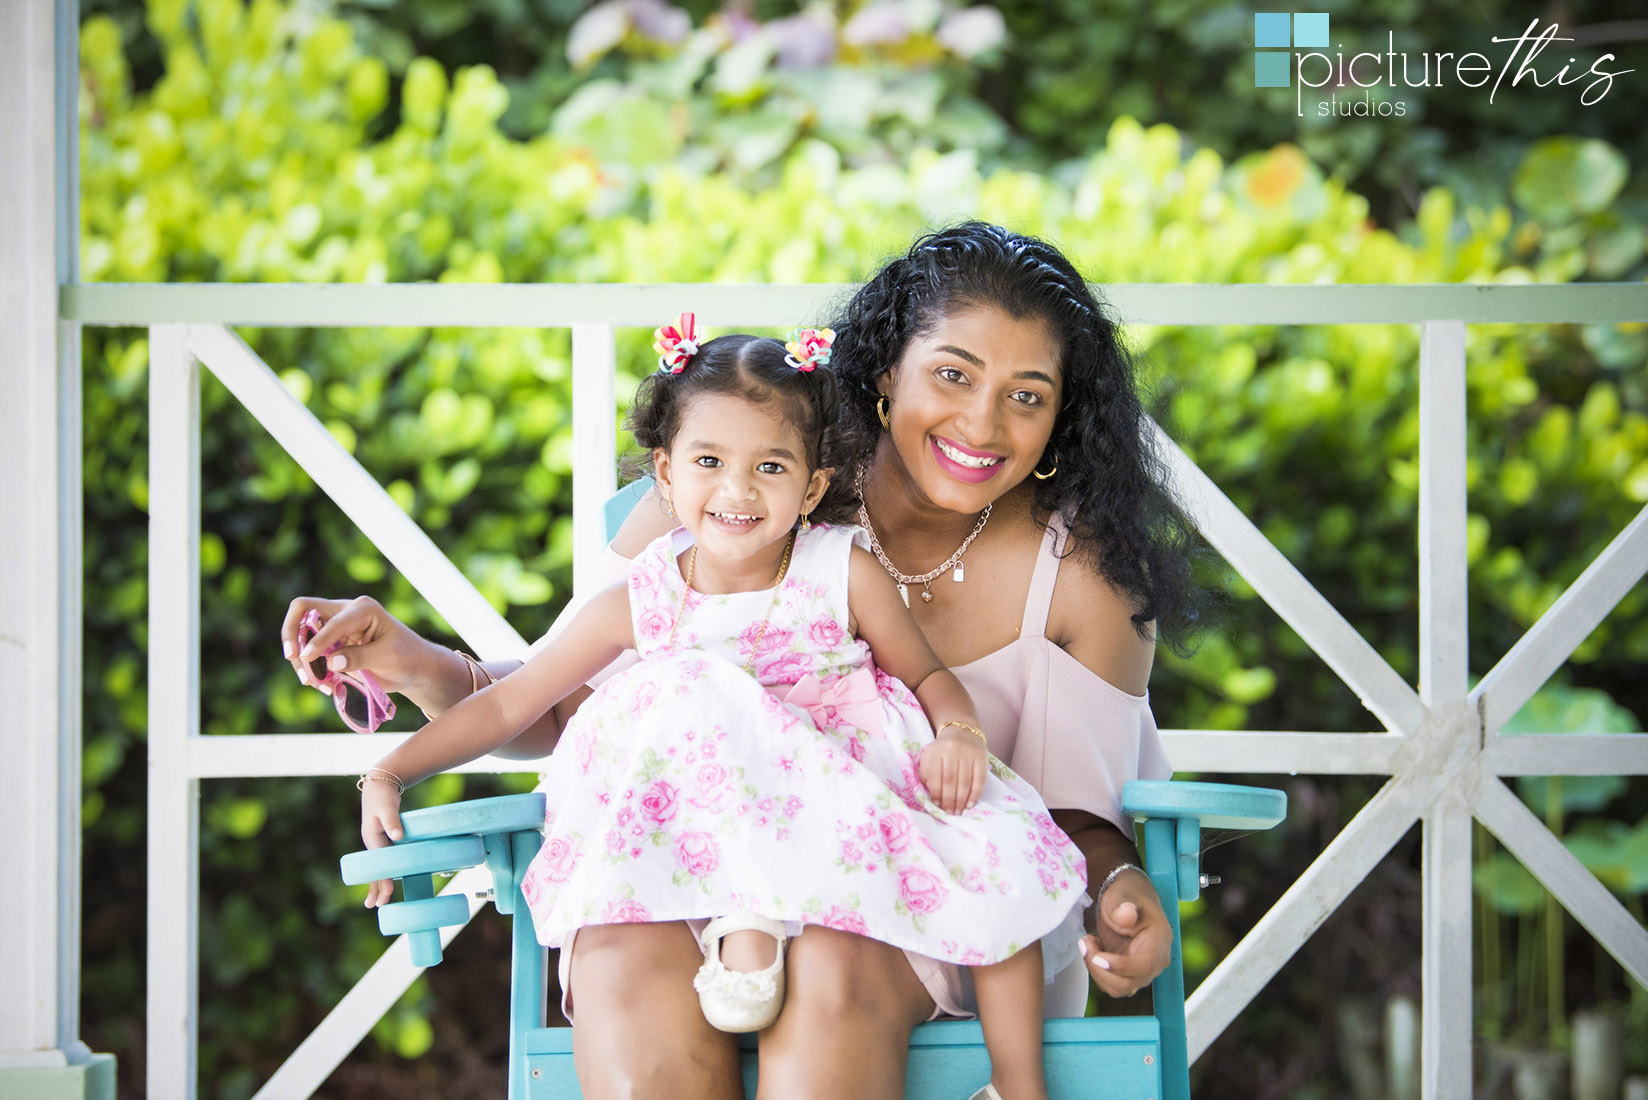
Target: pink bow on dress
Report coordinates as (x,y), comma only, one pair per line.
(852,699)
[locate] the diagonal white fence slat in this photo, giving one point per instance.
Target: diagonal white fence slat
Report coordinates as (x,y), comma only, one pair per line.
(1568,621)
(1286,590)
(1443,769)
(1603,915)
(354,490)
(372,997)
(1300,911)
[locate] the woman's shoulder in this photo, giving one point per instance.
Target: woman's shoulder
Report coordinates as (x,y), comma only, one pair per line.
(1092,619)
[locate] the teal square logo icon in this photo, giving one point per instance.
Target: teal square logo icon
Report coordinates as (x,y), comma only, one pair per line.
(1272,69)
(1275,31)
(1310,30)
(1271,30)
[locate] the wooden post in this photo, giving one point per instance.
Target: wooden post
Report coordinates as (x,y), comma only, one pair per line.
(40,1049)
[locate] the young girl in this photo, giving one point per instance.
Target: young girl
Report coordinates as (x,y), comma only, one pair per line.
(757,762)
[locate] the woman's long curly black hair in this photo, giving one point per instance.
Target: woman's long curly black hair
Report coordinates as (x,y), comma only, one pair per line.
(1111,486)
(754,368)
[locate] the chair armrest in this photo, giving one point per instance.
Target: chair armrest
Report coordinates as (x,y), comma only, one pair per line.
(439,840)
(1214,805)
(1191,808)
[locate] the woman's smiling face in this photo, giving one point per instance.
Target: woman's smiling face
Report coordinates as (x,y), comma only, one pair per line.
(973,403)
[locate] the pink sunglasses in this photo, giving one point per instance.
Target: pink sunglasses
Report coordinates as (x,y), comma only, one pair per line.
(365,708)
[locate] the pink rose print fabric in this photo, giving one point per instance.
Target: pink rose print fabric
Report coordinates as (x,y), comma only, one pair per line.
(687,788)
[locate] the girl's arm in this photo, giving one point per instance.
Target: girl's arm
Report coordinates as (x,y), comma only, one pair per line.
(953,767)
(481,722)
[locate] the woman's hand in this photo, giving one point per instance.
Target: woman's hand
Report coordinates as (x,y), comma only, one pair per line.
(952,768)
(380,827)
(1134,942)
(366,637)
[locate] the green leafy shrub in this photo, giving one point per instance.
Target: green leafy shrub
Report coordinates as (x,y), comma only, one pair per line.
(257,157)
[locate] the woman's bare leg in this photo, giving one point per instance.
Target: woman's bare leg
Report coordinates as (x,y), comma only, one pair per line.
(1009,999)
(844,1031)
(639,1032)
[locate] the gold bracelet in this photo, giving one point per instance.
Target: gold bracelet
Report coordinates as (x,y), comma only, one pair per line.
(382,775)
(476,671)
(974,730)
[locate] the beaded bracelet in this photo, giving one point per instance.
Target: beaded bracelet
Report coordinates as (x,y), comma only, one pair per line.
(382,775)
(974,730)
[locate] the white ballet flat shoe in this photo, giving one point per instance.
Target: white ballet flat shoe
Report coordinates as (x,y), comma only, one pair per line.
(740,1000)
(988,1092)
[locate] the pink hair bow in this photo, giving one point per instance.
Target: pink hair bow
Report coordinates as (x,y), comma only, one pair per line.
(676,344)
(809,348)
(852,699)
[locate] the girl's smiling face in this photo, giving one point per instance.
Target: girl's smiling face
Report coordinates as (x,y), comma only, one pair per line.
(737,475)
(973,403)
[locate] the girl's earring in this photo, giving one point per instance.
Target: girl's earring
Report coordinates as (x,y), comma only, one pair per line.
(806,524)
(1043,477)
(669,507)
(882,405)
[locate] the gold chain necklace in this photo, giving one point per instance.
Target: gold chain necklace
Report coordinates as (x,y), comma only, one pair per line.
(925,579)
(761,632)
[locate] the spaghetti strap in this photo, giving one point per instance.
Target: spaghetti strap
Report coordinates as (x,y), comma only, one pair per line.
(1040,598)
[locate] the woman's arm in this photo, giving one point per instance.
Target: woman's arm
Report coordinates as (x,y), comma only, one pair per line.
(360,634)
(492,716)
(954,765)
(482,722)
(1131,940)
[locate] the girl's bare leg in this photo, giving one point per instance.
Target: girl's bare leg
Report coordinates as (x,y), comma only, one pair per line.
(844,1031)
(640,1033)
(1009,998)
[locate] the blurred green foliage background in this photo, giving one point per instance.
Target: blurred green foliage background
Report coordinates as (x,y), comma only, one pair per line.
(543,141)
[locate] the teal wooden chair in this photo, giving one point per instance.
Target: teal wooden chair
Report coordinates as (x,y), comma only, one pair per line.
(1107,1058)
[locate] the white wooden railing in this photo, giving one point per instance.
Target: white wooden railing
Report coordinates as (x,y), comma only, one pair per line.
(1439,743)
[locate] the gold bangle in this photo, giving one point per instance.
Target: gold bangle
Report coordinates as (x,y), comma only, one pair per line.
(476,671)
(974,730)
(382,775)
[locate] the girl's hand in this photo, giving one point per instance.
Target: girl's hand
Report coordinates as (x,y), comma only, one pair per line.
(952,768)
(380,827)
(1133,943)
(366,636)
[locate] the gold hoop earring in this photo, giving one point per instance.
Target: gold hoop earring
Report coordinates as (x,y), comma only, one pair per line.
(882,405)
(1043,477)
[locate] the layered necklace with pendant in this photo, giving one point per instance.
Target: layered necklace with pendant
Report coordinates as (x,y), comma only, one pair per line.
(925,579)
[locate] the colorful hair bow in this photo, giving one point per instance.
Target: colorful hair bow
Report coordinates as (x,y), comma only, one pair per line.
(809,348)
(676,344)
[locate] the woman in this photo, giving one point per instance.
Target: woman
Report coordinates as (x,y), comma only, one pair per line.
(993,409)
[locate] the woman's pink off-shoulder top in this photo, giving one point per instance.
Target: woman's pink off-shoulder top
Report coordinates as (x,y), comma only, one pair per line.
(1071,734)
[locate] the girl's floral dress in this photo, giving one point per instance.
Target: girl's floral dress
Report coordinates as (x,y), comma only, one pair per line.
(687,788)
